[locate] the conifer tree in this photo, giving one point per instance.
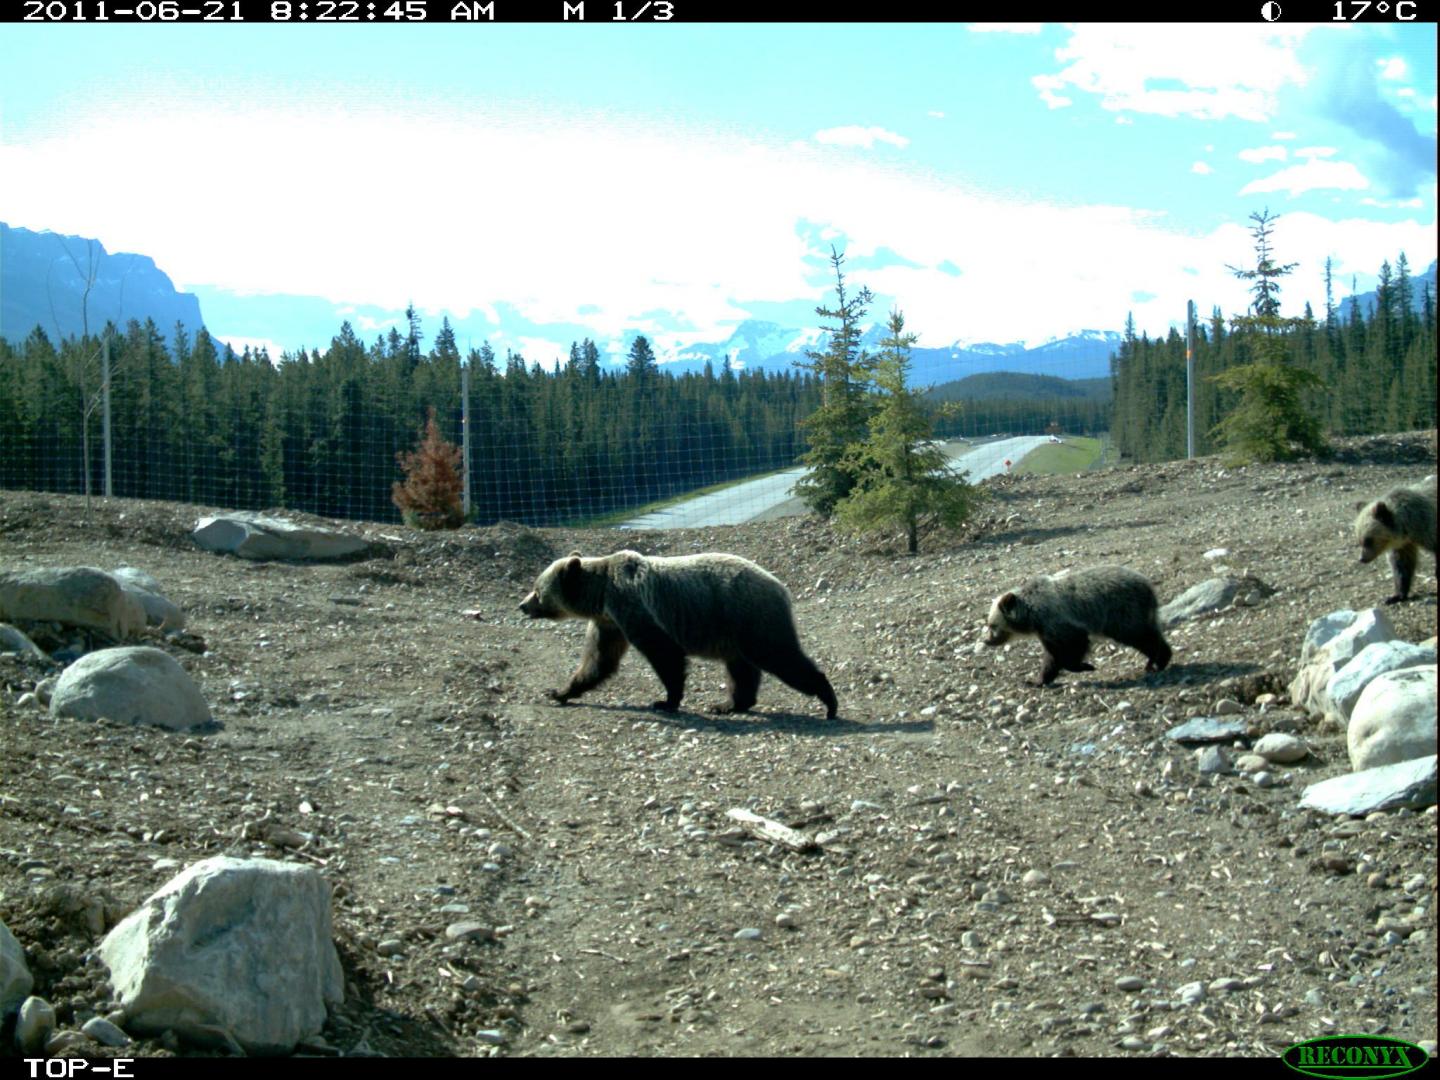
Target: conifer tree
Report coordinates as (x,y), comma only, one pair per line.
(430,497)
(1270,420)
(839,423)
(902,480)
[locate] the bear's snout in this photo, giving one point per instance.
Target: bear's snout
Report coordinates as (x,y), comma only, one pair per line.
(994,635)
(531,606)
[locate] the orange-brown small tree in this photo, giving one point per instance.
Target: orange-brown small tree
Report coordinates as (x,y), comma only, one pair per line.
(430,496)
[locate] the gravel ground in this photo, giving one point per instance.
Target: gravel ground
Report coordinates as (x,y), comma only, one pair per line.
(995,869)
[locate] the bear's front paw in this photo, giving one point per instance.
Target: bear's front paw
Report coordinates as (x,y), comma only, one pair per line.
(1396,599)
(666,706)
(726,708)
(557,696)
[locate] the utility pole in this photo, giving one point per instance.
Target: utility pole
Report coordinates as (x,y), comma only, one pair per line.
(1190,379)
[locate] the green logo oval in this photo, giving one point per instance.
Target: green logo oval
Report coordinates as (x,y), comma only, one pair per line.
(1341,1057)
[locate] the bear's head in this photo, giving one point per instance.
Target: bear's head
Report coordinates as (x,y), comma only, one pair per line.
(564,590)
(1001,622)
(1374,530)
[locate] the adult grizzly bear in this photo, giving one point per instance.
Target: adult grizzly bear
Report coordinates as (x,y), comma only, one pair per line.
(1401,524)
(714,605)
(1064,610)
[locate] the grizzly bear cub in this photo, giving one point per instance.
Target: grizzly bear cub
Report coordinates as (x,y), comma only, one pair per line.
(1064,610)
(1401,524)
(714,605)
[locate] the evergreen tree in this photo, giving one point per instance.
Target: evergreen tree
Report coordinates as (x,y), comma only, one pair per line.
(430,497)
(844,371)
(641,361)
(1270,419)
(903,480)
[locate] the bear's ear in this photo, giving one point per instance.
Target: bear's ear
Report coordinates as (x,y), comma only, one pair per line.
(575,554)
(1361,504)
(571,570)
(1384,515)
(1008,603)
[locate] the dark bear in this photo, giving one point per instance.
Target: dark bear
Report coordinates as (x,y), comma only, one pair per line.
(717,606)
(1064,610)
(1401,524)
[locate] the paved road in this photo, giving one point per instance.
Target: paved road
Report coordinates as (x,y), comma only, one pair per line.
(770,497)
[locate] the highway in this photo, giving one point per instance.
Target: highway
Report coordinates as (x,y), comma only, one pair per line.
(770,496)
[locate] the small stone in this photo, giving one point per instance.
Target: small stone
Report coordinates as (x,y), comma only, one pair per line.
(971,939)
(1213,761)
(1251,763)
(492,1036)
(34,1025)
(104,1032)
(1129,982)
(786,920)
(749,933)
(1228,707)
(1225,985)
(1192,993)
(469,931)
(1281,747)
(1035,877)
(1134,1042)
(390,947)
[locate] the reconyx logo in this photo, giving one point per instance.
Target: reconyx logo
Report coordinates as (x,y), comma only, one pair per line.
(1354,1055)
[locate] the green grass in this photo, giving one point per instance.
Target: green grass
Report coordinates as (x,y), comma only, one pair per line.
(1071,456)
(618,517)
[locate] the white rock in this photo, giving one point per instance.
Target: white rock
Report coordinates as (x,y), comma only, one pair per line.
(1406,783)
(1394,719)
(240,945)
(74,596)
(1281,747)
(256,536)
(1346,685)
(13,641)
(34,1025)
(159,611)
(1330,643)
(136,684)
(104,1032)
(15,978)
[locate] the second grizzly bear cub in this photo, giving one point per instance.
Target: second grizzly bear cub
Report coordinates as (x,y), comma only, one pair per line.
(1401,524)
(1064,610)
(714,605)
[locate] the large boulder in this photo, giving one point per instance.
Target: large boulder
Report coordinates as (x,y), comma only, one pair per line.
(1213,595)
(1345,686)
(1331,642)
(159,611)
(1386,787)
(136,684)
(256,536)
(239,945)
(73,596)
(1394,719)
(15,978)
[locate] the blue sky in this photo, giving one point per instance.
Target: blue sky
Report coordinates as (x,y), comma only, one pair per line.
(538,183)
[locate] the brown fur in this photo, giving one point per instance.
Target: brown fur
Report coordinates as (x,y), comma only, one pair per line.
(715,605)
(1400,524)
(1064,610)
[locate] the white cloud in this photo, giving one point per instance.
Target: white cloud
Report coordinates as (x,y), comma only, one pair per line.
(1223,69)
(522,237)
(1283,136)
(854,135)
(1316,152)
(1312,176)
(1201,168)
(1262,153)
(1393,68)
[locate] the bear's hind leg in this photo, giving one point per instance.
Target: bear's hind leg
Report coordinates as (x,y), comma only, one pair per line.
(798,671)
(604,648)
(743,681)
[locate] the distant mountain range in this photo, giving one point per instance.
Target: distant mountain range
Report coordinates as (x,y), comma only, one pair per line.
(43,277)
(43,282)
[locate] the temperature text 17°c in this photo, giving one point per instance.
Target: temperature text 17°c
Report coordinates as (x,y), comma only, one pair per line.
(1352,10)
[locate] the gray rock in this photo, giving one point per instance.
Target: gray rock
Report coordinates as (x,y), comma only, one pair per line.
(1281,747)
(1407,783)
(1215,594)
(159,611)
(1192,993)
(1214,760)
(242,946)
(73,596)
(15,978)
(1346,685)
(1332,642)
(34,1025)
(13,641)
(1207,729)
(136,684)
(1394,719)
(104,1032)
(257,536)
